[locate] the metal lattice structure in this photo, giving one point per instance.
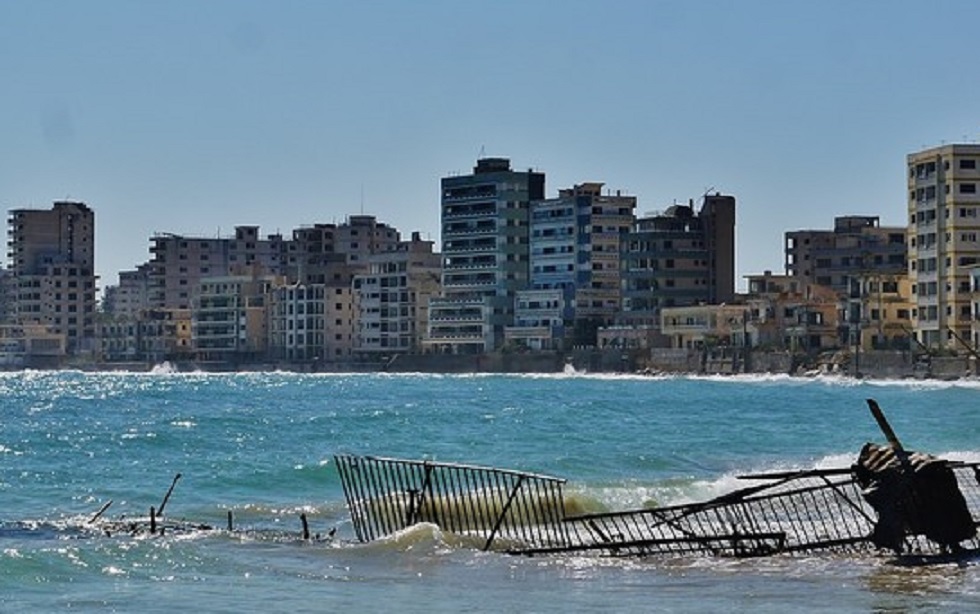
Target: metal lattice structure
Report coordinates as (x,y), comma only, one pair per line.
(523,513)
(386,495)
(801,511)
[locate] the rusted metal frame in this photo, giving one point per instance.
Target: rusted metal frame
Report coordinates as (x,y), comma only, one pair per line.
(393,504)
(837,488)
(503,513)
(701,514)
(692,508)
(424,490)
(809,521)
(858,521)
(384,504)
(475,468)
(753,520)
(542,522)
(795,530)
(645,545)
(405,482)
(536,512)
(795,474)
(473,498)
(525,505)
(663,516)
(498,521)
(833,517)
(342,469)
(380,507)
(515,507)
(460,517)
(368,518)
(484,501)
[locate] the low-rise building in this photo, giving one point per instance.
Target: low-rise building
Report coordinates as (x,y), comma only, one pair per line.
(878,312)
(789,313)
(705,326)
(31,346)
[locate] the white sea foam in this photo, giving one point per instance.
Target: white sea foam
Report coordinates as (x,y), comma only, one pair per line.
(164,368)
(678,491)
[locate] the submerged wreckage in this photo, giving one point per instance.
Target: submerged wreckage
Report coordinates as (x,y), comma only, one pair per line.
(911,503)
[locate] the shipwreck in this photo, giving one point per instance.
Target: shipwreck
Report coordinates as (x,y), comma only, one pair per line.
(911,504)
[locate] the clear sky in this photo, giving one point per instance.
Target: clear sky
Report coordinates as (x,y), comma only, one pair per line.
(196,116)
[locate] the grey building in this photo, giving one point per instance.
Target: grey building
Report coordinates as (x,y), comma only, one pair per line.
(485,246)
(857,245)
(679,257)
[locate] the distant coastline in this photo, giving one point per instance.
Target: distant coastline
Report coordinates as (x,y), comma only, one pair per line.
(875,364)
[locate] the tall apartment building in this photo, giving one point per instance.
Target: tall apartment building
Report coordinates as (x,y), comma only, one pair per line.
(485,255)
(575,267)
(51,262)
(391,300)
(857,245)
(321,263)
(943,245)
(179,263)
(679,257)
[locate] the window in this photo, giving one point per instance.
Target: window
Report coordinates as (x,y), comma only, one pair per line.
(968,164)
(968,188)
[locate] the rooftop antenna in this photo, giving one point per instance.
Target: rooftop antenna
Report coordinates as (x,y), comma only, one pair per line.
(483,152)
(362,198)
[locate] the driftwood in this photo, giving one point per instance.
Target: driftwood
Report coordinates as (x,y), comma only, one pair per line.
(167,496)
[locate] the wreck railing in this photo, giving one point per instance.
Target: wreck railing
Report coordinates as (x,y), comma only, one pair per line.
(386,495)
(807,510)
(523,513)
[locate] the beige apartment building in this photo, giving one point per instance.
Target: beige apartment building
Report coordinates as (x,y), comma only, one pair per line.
(391,300)
(858,244)
(180,263)
(230,321)
(789,313)
(878,312)
(944,241)
(51,264)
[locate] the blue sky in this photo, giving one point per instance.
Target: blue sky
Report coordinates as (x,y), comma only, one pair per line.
(196,116)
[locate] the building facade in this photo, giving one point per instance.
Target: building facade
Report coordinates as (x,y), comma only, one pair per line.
(943,241)
(856,246)
(230,319)
(485,243)
(179,264)
(391,300)
(677,258)
(51,264)
(575,268)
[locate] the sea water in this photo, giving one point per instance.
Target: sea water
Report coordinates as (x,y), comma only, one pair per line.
(260,446)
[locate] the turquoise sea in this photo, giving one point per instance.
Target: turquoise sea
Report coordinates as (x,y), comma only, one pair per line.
(261,446)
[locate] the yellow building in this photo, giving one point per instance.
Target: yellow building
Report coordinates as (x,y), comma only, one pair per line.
(698,326)
(944,241)
(879,309)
